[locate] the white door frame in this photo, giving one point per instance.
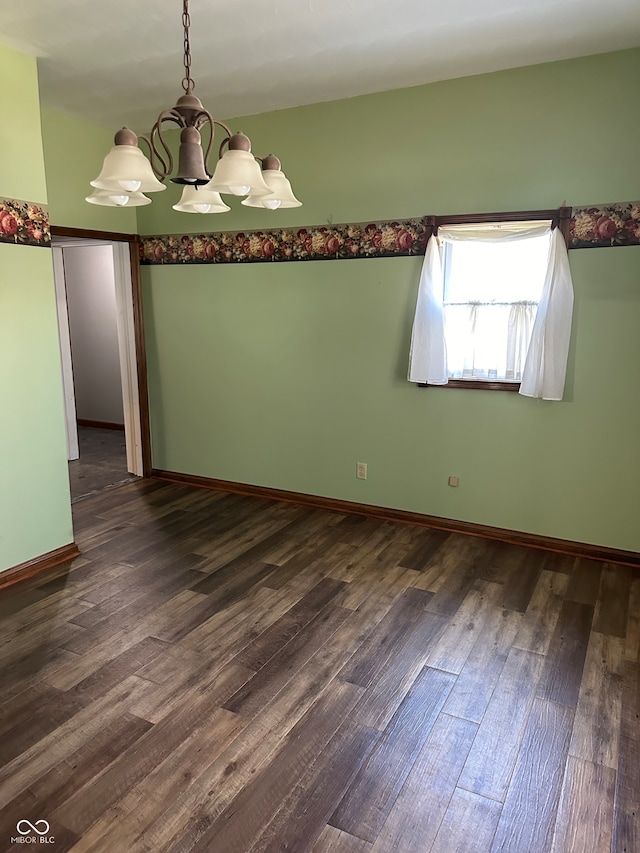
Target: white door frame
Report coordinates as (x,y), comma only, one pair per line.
(126,346)
(65,354)
(128,359)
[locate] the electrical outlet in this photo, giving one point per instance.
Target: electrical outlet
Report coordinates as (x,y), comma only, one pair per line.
(361,470)
(454,481)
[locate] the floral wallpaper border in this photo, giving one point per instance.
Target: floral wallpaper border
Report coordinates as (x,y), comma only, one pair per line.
(313,243)
(27,223)
(24,223)
(615,224)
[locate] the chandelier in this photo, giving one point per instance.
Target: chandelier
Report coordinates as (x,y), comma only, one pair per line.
(127,174)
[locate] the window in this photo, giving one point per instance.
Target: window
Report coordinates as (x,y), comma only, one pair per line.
(491,292)
(494,305)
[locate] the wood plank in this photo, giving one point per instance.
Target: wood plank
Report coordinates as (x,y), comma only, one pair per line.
(59,708)
(542,613)
(529,814)
(229,571)
(240,824)
(596,729)
(493,756)
(632,644)
(327,549)
(30,679)
(451,573)
(498,558)
(366,559)
(271,678)
(613,600)
(378,651)
(414,819)
(564,664)
(23,705)
(389,688)
(474,687)
(522,580)
(469,824)
(222,621)
(304,813)
(264,647)
(388,584)
(78,667)
(34,656)
(563,563)
(230,592)
(102,581)
(80,811)
(369,799)
(114,671)
(144,804)
(357,529)
(627,796)
(584,584)
(429,542)
(465,626)
(128,617)
(259,743)
(585,812)
(152,580)
(30,618)
(64,779)
(24,596)
(30,765)
(209,673)
(332,840)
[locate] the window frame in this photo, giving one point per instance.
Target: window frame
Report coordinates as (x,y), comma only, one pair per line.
(560,218)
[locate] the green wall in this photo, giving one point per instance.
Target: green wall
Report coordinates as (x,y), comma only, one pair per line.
(73,155)
(21,163)
(529,137)
(35,510)
(286,375)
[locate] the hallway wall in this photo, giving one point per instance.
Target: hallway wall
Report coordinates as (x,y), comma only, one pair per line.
(91,301)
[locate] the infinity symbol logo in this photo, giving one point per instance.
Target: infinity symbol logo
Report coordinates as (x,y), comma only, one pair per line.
(32,827)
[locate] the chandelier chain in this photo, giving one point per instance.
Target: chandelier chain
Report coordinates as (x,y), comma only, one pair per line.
(187,83)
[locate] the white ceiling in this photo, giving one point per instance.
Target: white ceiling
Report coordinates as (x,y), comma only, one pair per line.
(118,62)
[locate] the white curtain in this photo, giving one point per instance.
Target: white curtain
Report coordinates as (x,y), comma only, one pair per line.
(546,365)
(504,326)
(428,356)
(488,340)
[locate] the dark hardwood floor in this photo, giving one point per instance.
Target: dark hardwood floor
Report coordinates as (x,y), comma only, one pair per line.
(225,674)
(102,463)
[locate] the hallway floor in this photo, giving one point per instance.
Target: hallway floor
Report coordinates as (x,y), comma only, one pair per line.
(102,463)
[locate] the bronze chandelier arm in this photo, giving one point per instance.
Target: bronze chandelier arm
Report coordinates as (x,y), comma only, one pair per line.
(224,142)
(224,126)
(167,166)
(160,174)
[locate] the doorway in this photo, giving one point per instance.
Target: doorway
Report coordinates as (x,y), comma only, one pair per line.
(99,337)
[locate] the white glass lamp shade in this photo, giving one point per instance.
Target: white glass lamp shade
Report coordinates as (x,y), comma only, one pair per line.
(126,169)
(200,200)
(280,195)
(115,198)
(238,173)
